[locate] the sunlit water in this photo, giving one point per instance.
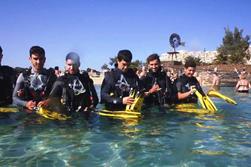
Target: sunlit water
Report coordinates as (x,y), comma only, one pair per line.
(158,139)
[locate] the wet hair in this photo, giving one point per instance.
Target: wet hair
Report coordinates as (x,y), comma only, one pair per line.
(37,50)
(190,63)
(74,57)
(125,55)
(1,50)
(152,57)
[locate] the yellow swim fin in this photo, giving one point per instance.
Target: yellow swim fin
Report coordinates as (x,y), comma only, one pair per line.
(8,109)
(132,95)
(51,114)
(213,93)
(206,102)
(137,104)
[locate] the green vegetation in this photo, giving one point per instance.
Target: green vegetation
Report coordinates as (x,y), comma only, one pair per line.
(104,67)
(234,49)
(134,64)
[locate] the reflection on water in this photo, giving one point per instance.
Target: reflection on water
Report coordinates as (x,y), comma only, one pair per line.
(158,139)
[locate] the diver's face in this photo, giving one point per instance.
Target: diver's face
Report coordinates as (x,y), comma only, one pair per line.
(123,65)
(71,67)
(154,65)
(37,62)
(189,72)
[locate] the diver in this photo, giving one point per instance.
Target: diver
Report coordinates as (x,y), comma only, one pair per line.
(118,83)
(157,84)
(74,89)
(7,82)
(34,84)
(187,84)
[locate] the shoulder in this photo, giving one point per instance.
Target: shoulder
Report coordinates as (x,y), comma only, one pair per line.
(7,68)
(131,73)
(194,79)
(111,74)
(26,72)
(84,74)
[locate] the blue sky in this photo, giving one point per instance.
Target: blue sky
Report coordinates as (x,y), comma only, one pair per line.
(98,29)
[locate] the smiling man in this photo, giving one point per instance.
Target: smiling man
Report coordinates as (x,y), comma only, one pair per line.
(185,84)
(118,82)
(157,83)
(34,85)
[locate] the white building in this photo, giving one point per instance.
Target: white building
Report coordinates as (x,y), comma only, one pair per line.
(205,56)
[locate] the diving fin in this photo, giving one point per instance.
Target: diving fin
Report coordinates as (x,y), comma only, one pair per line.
(132,95)
(8,109)
(50,114)
(138,101)
(229,100)
(206,102)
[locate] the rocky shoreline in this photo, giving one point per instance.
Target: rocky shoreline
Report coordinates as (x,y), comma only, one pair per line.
(227,74)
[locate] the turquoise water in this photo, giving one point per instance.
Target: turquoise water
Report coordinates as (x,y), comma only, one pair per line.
(158,139)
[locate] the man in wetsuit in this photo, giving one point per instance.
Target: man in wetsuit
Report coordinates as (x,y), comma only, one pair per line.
(34,85)
(157,84)
(186,82)
(118,82)
(74,89)
(7,81)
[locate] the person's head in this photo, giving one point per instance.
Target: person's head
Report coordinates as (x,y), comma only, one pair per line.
(1,55)
(57,71)
(190,68)
(124,59)
(243,75)
(37,58)
(153,62)
(72,63)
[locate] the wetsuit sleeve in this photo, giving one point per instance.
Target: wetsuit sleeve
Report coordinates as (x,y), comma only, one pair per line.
(57,89)
(141,85)
(178,86)
(171,93)
(19,86)
(51,80)
(93,93)
(198,87)
(106,89)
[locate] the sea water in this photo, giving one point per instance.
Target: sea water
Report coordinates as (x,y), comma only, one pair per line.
(158,139)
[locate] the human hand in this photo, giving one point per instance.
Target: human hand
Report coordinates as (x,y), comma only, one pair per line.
(30,105)
(20,93)
(44,103)
(192,90)
(128,100)
(155,88)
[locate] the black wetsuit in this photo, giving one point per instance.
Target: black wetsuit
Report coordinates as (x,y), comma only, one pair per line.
(165,95)
(75,91)
(183,84)
(7,81)
(33,86)
(116,85)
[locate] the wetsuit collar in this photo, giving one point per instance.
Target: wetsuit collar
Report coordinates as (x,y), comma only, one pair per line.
(41,72)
